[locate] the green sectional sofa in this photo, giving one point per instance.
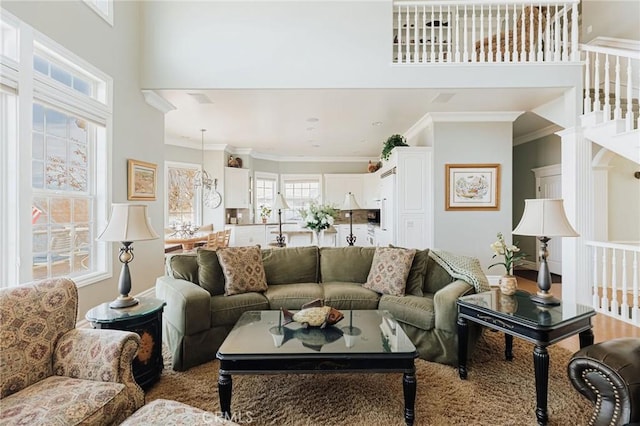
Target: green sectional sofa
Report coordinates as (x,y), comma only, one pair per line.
(198,315)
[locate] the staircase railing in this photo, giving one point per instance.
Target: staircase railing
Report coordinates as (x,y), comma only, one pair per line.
(615,280)
(611,81)
(469,31)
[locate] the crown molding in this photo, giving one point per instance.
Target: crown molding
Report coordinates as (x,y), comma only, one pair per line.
(424,122)
(191,144)
(157,101)
(488,116)
(311,159)
(536,134)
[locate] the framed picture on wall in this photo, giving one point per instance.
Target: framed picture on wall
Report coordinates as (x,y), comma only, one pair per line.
(141,180)
(472,187)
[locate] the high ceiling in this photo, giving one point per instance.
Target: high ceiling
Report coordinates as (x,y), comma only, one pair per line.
(330,122)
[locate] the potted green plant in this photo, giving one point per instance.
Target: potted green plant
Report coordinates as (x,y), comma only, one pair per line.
(392,142)
(265,212)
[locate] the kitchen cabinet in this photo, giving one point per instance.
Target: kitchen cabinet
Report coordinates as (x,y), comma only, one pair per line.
(336,186)
(247,235)
(359,231)
(236,188)
(371,191)
(406,198)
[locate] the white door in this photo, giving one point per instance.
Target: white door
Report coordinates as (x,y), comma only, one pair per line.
(550,187)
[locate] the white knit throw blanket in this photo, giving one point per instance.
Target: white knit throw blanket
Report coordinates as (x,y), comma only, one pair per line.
(463,268)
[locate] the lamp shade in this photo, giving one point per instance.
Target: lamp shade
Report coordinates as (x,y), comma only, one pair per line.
(128,222)
(281,203)
(350,202)
(545,217)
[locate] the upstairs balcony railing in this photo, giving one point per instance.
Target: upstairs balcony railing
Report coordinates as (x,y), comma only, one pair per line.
(493,31)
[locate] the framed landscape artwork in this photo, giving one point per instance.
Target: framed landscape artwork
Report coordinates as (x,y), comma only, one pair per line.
(141,181)
(472,186)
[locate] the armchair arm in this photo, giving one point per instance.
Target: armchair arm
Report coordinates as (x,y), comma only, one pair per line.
(445,307)
(188,304)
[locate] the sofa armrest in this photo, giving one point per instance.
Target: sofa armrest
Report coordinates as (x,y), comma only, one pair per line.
(188,305)
(445,307)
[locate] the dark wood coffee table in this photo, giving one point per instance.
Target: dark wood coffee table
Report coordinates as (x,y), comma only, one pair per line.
(364,341)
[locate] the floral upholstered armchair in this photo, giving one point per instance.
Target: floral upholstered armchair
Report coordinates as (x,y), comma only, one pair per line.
(52,373)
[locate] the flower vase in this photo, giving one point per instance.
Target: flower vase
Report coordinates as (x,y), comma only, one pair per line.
(508,284)
(316,237)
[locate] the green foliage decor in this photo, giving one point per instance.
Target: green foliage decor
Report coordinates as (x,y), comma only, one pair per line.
(392,142)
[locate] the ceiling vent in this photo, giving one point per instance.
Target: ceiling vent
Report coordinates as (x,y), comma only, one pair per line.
(200,98)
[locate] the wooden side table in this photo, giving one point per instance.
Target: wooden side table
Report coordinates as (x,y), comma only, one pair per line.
(145,318)
(518,316)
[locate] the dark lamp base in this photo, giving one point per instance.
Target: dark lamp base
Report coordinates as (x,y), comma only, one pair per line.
(545,299)
(123,302)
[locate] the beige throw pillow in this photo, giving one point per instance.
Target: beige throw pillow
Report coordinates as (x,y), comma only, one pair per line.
(243,269)
(389,270)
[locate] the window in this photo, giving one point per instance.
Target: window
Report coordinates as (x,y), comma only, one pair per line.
(265,190)
(300,191)
(59,201)
(182,197)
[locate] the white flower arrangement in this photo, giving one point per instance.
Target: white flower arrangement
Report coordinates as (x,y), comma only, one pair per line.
(512,254)
(318,217)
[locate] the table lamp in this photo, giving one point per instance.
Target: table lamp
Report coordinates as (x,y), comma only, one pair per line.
(350,204)
(544,218)
(128,223)
(280,204)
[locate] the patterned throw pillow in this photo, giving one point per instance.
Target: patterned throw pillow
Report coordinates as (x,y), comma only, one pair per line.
(389,270)
(243,269)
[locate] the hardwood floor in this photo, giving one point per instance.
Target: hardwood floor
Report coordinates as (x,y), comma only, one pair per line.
(604,327)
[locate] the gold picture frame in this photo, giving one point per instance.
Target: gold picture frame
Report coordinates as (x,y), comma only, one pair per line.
(141,180)
(472,187)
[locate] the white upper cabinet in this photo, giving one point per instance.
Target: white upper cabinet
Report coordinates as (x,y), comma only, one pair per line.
(236,188)
(370,191)
(336,186)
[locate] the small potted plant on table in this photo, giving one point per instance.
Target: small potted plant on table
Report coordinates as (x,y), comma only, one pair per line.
(265,212)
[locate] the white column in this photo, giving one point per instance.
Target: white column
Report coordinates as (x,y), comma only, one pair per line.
(577,192)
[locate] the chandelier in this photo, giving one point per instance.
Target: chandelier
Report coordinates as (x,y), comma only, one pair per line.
(202,178)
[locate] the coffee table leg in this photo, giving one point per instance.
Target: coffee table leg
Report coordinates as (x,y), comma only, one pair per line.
(586,338)
(508,347)
(409,388)
(541,368)
(463,332)
(224,391)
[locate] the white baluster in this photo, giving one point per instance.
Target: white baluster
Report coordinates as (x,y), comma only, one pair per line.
(587,82)
(556,37)
(440,40)
(565,35)
(604,303)
(490,54)
(474,58)
(607,89)
(617,111)
(575,36)
(596,83)
(408,38)
(507,54)
(629,116)
(624,307)
(465,37)
(547,35)
(449,41)
(596,299)
(432,58)
(416,36)
(399,35)
(482,51)
(614,283)
(540,56)
(531,48)
(457,57)
(523,37)
(424,34)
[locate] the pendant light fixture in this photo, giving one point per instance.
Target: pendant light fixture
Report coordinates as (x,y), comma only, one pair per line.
(203,179)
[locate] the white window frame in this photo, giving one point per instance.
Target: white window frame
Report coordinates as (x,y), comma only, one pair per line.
(292,214)
(17,193)
(265,176)
(198,195)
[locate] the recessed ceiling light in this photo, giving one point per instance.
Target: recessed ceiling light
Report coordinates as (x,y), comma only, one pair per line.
(312,120)
(377,123)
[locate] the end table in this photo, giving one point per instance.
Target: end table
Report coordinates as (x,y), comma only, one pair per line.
(145,318)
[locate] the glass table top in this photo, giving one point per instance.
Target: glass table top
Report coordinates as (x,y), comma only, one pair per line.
(106,314)
(361,331)
(519,306)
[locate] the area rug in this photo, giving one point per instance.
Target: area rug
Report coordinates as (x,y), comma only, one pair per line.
(497,392)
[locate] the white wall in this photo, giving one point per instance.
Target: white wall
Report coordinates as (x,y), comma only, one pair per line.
(138,129)
(607,18)
(624,200)
(471,232)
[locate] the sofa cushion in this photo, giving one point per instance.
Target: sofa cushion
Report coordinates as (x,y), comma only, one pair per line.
(243,269)
(344,295)
(290,296)
(345,264)
(210,273)
(183,266)
(226,310)
(418,270)
(59,400)
(389,270)
(291,265)
(413,310)
(435,277)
